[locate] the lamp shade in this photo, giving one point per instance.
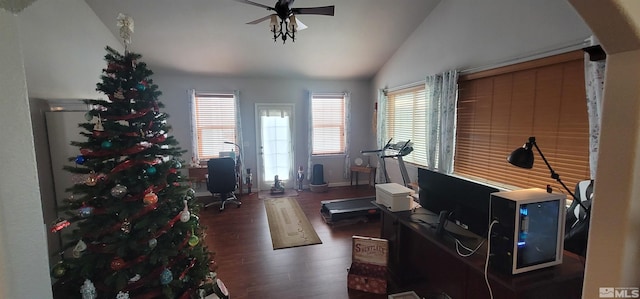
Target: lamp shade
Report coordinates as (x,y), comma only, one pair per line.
(522,157)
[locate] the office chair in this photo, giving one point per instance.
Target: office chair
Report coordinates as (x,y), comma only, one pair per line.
(221,181)
(576,228)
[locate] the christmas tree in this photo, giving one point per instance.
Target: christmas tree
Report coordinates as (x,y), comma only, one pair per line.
(131,225)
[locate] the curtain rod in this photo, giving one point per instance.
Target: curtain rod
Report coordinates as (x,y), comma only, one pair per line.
(405,86)
(576,45)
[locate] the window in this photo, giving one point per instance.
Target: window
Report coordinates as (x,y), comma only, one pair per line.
(328,124)
(214,123)
(498,110)
(407,119)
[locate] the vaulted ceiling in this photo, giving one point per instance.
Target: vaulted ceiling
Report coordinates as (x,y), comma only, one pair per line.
(211,37)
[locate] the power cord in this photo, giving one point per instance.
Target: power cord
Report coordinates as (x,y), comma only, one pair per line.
(471,251)
(486,262)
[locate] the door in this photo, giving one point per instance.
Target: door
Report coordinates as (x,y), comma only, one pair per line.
(274,139)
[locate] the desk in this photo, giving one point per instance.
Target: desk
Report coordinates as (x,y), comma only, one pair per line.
(364,169)
(422,261)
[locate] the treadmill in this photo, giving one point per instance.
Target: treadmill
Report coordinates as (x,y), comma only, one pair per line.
(336,210)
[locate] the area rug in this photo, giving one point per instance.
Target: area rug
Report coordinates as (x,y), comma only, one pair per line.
(288,224)
(267,194)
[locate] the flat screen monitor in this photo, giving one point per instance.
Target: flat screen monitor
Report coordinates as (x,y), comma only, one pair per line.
(467,201)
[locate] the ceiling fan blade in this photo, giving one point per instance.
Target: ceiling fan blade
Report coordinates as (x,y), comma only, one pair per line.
(260,20)
(254,4)
(322,10)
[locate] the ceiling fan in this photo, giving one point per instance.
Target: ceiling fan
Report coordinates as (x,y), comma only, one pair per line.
(285,18)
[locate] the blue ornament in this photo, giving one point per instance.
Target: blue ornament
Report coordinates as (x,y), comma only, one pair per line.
(177,164)
(80,159)
(151,170)
(85,212)
(166,277)
(106,144)
(141,87)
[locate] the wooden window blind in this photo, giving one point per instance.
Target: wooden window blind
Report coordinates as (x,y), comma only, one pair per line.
(215,123)
(407,120)
(328,121)
(498,111)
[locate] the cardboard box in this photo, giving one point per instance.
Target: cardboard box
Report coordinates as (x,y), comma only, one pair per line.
(394,196)
(368,270)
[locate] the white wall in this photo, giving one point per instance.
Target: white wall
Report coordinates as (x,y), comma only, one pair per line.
(461,34)
(23,253)
(64,41)
(274,90)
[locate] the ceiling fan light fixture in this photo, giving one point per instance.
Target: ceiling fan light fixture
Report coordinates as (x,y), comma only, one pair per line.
(284,23)
(274,25)
(293,25)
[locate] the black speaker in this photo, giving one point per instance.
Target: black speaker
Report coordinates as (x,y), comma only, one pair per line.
(318,175)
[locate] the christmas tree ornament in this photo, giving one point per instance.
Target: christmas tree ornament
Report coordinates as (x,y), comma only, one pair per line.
(152,243)
(191,193)
(107,144)
(88,116)
(88,290)
(166,276)
(79,249)
(141,86)
(134,278)
(98,126)
(119,94)
(117,263)
(193,240)
(126,226)
(151,170)
(150,198)
(177,164)
(122,295)
(92,179)
(119,191)
(185,215)
(59,270)
(59,224)
(125,25)
(85,212)
(80,160)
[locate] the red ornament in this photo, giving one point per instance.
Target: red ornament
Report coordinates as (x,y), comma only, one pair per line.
(117,263)
(150,198)
(59,225)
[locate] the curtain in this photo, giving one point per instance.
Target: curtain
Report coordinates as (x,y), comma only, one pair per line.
(594,81)
(310,136)
(239,140)
(447,120)
(381,128)
(191,94)
(347,135)
(441,93)
(433,89)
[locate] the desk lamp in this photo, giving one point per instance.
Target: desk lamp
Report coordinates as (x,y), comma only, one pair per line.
(238,161)
(523,158)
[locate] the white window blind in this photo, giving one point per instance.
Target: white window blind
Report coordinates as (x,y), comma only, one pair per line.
(328,121)
(215,123)
(407,120)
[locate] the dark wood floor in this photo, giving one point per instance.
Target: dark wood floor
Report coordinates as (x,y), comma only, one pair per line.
(250,268)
